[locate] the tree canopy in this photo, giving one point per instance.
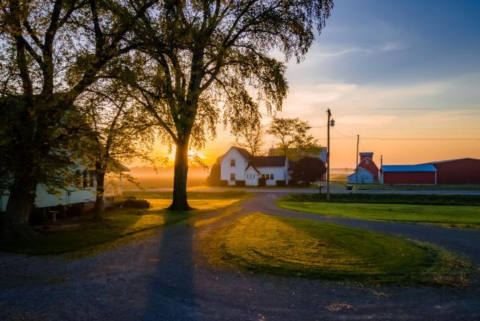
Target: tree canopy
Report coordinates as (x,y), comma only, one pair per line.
(292,134)
(203,60)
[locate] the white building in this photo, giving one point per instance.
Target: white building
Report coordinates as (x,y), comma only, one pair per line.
(82,192)
(239,167)
(364,177)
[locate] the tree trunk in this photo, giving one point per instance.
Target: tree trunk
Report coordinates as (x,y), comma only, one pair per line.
(99,203)
(20,205)
(180,202)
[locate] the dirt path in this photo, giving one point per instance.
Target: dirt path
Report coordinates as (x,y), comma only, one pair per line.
(162,277)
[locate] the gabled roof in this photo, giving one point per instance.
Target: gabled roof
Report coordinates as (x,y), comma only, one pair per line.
(245,153)
(360,171)
(409,168)
(242,151)
(251,166)
(268,161)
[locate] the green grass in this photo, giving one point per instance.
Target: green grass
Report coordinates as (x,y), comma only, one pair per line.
(467,187)
(117,227)
(452,216)
(419,199)
(271,244)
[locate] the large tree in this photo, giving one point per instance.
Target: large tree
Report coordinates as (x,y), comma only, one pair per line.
(51,52)
(203,57)
(292,133)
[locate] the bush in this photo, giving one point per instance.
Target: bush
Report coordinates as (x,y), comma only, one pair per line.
(281,183)
(240,183)
(223,183)
(135,203)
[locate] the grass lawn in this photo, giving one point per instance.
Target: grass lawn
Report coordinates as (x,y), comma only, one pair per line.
(271,244)
(468,187)
(447,215)
(117,227)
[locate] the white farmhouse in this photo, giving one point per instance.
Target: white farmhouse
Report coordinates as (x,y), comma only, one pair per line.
(83,191)
(239,167)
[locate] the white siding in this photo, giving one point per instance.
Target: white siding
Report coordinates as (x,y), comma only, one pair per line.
(239,169)
(364,177)
(63,196)
(251,177)
(279,174)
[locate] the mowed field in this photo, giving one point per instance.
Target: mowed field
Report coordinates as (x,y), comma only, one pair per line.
(454,211)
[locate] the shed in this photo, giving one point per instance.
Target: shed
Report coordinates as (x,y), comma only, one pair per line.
(364,177)
(408,174)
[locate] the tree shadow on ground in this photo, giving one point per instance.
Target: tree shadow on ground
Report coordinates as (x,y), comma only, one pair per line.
(171,289)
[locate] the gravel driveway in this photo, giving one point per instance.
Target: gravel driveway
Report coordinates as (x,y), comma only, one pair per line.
(163,277)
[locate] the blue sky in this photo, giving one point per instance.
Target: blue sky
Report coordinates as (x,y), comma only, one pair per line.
(397,42)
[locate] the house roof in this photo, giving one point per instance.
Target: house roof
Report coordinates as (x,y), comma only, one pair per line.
(452,160)
(251,166)
(268,161)
(242,151)
(245,153)
(409,168)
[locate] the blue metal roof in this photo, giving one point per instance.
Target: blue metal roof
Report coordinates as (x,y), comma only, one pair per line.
(409,168)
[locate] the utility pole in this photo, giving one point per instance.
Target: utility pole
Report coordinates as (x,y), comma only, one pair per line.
(356,167)
(330,123)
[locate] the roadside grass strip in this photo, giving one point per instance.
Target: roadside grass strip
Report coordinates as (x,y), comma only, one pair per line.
(450,216)
(294,247)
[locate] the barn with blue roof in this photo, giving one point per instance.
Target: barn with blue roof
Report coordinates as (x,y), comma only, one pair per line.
(425,174)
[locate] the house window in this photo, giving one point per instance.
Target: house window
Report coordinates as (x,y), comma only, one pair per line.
(232,163)
(232,176)
(267,176)
(251,176)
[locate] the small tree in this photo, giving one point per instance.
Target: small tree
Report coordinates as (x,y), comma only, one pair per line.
(214,177)
(118,132)
(308,169)
(250,136)
(292,133)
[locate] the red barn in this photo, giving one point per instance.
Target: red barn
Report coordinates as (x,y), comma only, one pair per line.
(425,174)
(458,171)
(366,162)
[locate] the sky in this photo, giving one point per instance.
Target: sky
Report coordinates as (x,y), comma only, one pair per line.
(404,75)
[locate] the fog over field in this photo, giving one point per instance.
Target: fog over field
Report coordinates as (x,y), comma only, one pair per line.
(147,177)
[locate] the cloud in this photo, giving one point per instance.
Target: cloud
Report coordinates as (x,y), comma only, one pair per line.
(341,52)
